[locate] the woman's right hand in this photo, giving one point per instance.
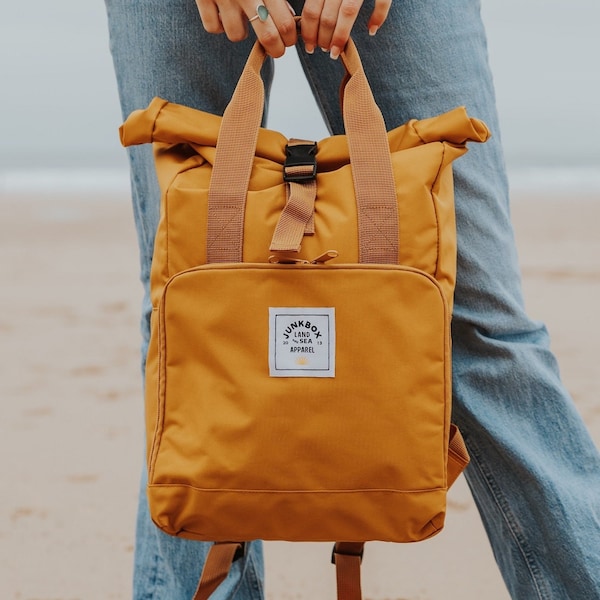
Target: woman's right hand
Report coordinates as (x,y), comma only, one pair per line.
(327,23)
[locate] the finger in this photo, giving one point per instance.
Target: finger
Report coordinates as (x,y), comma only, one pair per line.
(347,13)
(234,21)
(328,22)
(265,29)
(209,14)
(283,18)
(309,23)
(379,15)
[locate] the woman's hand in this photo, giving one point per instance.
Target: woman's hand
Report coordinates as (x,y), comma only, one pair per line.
(324,23)
(232,17)
(328,23)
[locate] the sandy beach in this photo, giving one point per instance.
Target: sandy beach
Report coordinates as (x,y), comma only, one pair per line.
(71,431)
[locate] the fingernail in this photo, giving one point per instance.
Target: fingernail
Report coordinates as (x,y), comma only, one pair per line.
(324,49)
(373,29)
(291,9)
(309,48)
(334,52)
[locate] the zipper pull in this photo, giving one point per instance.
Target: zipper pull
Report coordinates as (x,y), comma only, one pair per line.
(275,259)
(323,258)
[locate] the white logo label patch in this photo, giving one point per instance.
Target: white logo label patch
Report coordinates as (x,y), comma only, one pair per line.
(302,342)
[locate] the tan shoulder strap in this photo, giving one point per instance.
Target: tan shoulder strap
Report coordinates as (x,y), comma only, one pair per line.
(217,566)
(347,558)
(458,456)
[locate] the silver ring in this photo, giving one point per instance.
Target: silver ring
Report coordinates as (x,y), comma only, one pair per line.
(262,14)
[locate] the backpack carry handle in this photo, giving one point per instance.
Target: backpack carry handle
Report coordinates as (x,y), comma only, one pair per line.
(374,184)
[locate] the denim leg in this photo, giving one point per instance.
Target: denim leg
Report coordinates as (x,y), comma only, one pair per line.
(535,473)
(160,48)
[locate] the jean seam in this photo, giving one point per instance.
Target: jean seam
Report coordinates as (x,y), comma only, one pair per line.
(253,577)
(510,520)
(138,212)
(249,575)
(153,579)
(240,582)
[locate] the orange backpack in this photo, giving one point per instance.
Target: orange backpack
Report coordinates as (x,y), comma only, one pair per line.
(298,380)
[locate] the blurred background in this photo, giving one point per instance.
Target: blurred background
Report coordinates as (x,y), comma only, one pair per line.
(59,108)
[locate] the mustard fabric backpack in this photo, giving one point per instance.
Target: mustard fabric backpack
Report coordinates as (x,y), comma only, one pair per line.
(298,380)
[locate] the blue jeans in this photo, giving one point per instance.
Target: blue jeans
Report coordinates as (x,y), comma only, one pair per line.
(535,473)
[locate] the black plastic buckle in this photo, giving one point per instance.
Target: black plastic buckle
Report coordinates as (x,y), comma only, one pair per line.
(300,155)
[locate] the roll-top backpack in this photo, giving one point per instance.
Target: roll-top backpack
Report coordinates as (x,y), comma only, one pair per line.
(298,379)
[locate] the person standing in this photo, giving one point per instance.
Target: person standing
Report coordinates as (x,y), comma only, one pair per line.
(534,472)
